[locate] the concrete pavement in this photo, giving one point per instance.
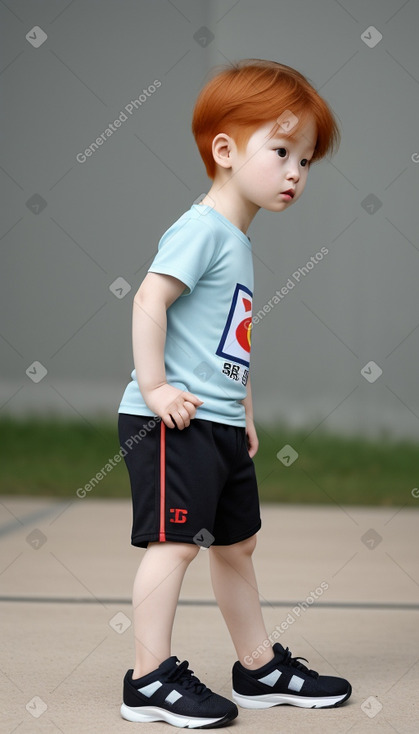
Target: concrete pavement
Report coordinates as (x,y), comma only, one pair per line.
(339,585)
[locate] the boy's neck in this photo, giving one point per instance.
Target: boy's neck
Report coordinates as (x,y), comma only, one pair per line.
(225,200)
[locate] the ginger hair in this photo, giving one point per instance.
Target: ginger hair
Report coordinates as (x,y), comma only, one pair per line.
(252,92)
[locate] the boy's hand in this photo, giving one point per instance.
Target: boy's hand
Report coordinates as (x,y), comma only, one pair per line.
(252,439)
(175,407)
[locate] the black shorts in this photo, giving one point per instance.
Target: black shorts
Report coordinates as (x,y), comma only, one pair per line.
(196,485)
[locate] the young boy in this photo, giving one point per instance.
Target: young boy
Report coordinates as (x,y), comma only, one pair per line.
(258,126)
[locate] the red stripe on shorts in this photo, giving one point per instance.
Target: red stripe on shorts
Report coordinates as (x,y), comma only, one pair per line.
(162,534)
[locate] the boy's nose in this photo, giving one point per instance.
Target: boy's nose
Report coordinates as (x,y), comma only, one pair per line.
(293,173)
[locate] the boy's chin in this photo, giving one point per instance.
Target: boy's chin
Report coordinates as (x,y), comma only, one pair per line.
(277,205)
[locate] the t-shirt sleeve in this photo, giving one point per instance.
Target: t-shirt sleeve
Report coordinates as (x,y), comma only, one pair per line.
(185,251)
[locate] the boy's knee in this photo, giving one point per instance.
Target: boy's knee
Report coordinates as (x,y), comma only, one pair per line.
(248,546)
(182,552)
(244,547)
(185,552)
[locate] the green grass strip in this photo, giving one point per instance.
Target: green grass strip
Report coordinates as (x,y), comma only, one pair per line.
(57,457)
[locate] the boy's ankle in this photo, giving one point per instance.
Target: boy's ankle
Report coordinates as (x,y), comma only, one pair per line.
(142,671)
(266,657)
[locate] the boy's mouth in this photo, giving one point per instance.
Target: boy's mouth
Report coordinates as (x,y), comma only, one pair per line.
(289,192)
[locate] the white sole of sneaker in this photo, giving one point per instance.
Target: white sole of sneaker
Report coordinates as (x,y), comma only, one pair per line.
(153,713)
(276,699)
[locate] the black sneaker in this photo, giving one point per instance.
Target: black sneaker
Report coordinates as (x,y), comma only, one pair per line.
(173,694)
(285,680)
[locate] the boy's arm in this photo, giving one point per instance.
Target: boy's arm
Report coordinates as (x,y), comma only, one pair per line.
(149,325)
(252,439)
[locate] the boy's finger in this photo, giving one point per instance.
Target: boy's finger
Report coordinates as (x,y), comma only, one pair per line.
(184,417)
(190,407)
(180,417)
(192,399)
(168,420)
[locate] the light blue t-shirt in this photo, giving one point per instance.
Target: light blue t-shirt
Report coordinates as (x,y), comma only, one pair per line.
(208,327)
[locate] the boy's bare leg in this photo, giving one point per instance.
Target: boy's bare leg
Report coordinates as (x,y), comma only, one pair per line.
(155,596)
(235,588)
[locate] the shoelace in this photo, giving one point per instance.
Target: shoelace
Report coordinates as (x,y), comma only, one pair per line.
(185,677)
(294,662)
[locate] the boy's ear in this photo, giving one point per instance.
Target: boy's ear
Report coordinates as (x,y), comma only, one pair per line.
(222,145)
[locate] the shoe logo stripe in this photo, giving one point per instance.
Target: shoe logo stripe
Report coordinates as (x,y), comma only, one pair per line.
(271,679)
(296,683)
(173,697)
(150,689)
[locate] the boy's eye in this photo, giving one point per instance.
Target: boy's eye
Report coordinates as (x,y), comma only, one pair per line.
(282,152)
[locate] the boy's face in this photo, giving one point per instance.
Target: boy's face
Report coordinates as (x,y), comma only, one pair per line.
(269,166)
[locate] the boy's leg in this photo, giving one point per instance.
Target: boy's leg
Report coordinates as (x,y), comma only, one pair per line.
(235,588)
(161,688)
(278,678)
(155,596)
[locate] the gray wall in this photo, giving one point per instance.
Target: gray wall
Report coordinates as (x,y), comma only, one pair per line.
(102,218)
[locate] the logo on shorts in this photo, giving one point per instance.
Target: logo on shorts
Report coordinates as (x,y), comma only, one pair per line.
(235,341)
(180,515)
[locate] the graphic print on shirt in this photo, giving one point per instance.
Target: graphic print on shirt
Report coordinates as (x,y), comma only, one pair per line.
(236,338)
